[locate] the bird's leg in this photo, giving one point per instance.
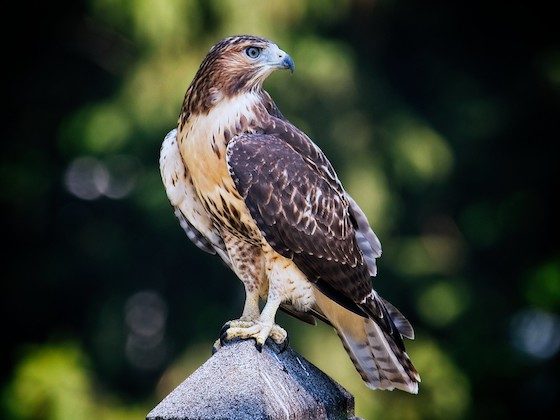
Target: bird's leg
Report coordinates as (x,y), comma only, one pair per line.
(250,313)
(268,327)
(248,263)
(251,309)
(264,326)
(248,318)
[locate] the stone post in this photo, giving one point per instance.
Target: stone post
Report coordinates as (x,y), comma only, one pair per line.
(238,382)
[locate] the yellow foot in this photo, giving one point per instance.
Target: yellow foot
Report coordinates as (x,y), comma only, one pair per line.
(258,330)
(234,323)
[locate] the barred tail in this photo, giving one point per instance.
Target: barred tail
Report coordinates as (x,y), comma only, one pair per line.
(377,358)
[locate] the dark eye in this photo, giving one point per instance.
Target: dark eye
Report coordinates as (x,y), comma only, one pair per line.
(253,52)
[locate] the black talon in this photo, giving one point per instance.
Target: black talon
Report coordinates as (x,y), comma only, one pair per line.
(259,347)
(214,349)
(223,334)
(224,329)
(284,345)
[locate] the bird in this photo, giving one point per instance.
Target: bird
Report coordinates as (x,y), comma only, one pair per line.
(250,187)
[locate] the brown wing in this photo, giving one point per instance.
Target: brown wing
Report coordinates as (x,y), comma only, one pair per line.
(302,214)
(281,128)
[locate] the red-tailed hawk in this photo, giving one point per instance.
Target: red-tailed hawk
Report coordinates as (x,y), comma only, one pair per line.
(249,186)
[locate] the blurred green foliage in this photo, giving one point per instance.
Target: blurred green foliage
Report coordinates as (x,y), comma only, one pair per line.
(440,119)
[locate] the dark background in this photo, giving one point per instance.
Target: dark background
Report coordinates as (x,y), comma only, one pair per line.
(440,117)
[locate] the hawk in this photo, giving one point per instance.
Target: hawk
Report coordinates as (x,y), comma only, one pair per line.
(249,186)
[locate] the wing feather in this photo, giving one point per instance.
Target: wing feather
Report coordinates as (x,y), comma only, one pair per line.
(286,196)
(368,242)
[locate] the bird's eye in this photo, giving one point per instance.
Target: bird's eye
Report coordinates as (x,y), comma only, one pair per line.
(253,52)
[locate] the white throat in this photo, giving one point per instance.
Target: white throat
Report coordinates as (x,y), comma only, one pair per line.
(224,115)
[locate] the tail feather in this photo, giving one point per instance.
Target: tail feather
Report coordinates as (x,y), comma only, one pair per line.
(380,361)
(402,324)
(394,363)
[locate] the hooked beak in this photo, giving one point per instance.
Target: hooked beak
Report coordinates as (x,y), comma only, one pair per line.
(278,59)
(288,64)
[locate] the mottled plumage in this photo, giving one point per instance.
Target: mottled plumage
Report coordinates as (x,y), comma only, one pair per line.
(248,185)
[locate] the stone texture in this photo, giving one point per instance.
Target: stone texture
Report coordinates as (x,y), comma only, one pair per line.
(238,382)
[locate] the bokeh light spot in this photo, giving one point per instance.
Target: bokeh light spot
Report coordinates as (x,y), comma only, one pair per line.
(89,178)
(543,286)
(145,317)
(425,254)
(86,178)
(536,333)
(106,129)
(421,154)
(442,303)
(123,174)
(368,186)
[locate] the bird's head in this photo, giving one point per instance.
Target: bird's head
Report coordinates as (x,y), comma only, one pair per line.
(239,64)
